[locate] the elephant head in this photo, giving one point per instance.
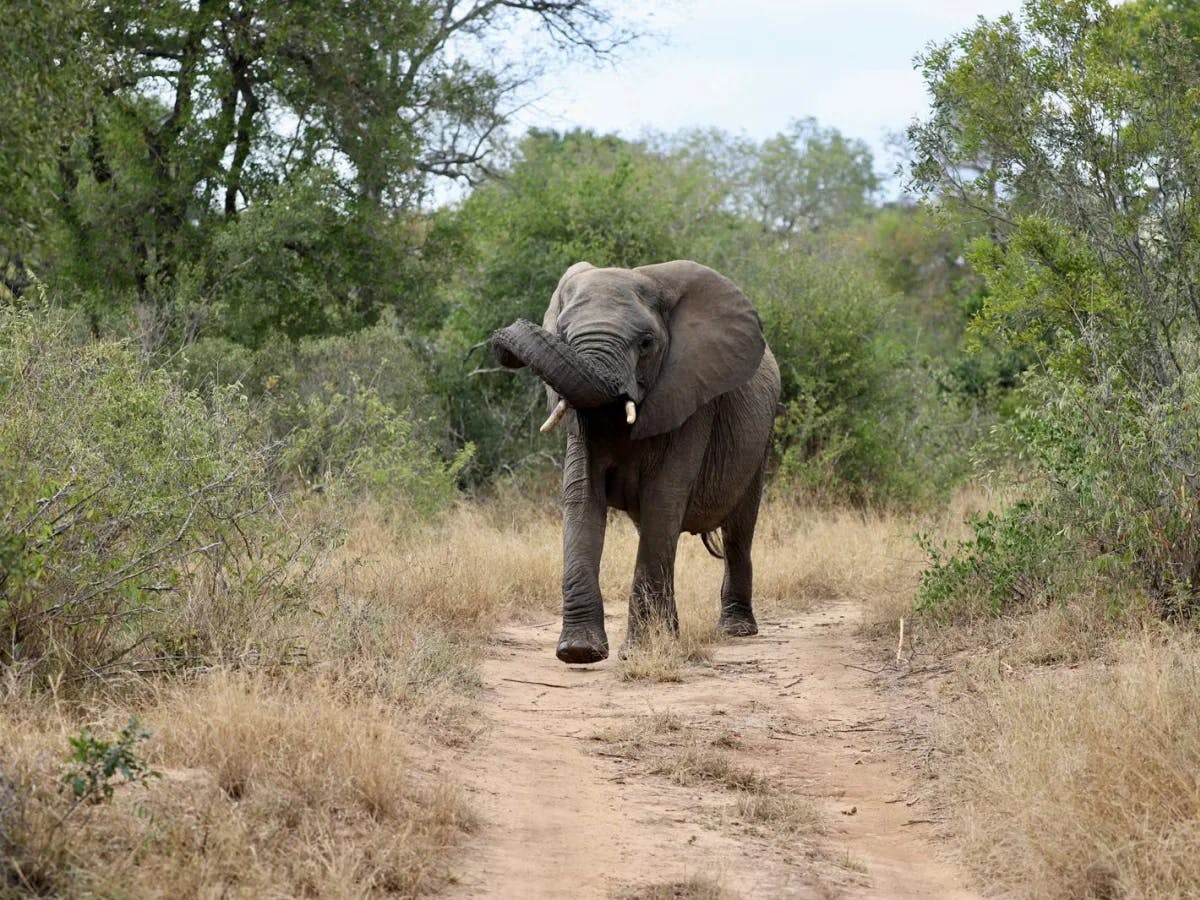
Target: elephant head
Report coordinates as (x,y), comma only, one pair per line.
(662,340)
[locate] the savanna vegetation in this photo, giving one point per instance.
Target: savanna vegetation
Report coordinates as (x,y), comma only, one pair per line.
(263,495)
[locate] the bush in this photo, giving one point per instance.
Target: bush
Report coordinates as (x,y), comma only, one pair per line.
(112,478)
(1113,472)
(1120,464)
(1069,119)
(356,441)
(842,432)
(1009,560)
(351,414)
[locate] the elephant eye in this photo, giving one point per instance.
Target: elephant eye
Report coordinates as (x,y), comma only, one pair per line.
(646,341)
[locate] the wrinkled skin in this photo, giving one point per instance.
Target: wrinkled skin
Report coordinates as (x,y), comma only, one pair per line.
(686,347)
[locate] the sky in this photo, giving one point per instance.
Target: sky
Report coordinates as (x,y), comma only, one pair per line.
(751,66)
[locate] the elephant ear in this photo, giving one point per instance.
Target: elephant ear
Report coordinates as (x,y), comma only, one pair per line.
(716,343)
(550,319)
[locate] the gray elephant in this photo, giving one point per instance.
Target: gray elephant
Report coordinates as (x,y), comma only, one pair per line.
(669,391)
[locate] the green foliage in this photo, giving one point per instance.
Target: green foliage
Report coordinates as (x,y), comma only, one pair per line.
(828,326)
(124,494)
(285,267)
(350,414)
(111,479)
(355,440)
(810,178)
(46,100)
(155,127)
(94,763)
(1072,128)
(863,420)
(1008,560)
(1119,468)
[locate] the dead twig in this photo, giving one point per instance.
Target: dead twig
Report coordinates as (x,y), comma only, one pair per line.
(541,683)
(863,668)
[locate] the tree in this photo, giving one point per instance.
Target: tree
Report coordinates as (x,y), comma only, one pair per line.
(45,102)
(809,178)
(202,108)
(1070,133)
(1086,116)
(801,180)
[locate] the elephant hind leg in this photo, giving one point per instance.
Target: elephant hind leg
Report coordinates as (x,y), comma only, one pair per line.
(737,534)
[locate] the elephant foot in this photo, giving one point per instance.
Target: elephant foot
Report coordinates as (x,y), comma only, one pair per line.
(580,645)
(737,623)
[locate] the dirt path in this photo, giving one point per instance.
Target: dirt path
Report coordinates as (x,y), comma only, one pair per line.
(565,816)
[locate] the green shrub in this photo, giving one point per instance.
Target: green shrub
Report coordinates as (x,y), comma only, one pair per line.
(350,414)
(1115,474)
(1009,560)
(113,482)
(1121,466)
(1079,141)
(94,762)
(354,440)
(846,413)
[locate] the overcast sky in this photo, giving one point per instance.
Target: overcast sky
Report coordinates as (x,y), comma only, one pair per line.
(751,66)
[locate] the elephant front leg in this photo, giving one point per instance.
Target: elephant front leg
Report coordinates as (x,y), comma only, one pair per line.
(652,597)
(585,513)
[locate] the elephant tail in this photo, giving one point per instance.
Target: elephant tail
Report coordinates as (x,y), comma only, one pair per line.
(707,539)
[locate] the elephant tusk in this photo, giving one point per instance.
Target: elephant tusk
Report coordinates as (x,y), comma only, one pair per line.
(555,417)
(630,412)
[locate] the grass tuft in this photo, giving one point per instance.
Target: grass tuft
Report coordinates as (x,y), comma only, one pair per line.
(781,812)
(698,887)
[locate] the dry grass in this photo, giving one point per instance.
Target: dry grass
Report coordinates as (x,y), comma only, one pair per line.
(698,887)
(660,656)
(1081,628)
(641,737)
(781,812)
(699,761)
(802,557)
(668,747)
(808,556)
(298,764)
(473,570)
(1073,739)
(300,736)
(1085,782)
(271,787)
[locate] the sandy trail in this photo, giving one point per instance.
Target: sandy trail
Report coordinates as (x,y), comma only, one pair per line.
(563,818)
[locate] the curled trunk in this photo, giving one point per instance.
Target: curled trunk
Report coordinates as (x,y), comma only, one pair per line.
(525,344)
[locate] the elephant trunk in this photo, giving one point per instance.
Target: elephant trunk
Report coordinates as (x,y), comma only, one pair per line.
(579,383)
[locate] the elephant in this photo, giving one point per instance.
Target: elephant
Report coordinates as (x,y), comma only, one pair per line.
(670,391)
